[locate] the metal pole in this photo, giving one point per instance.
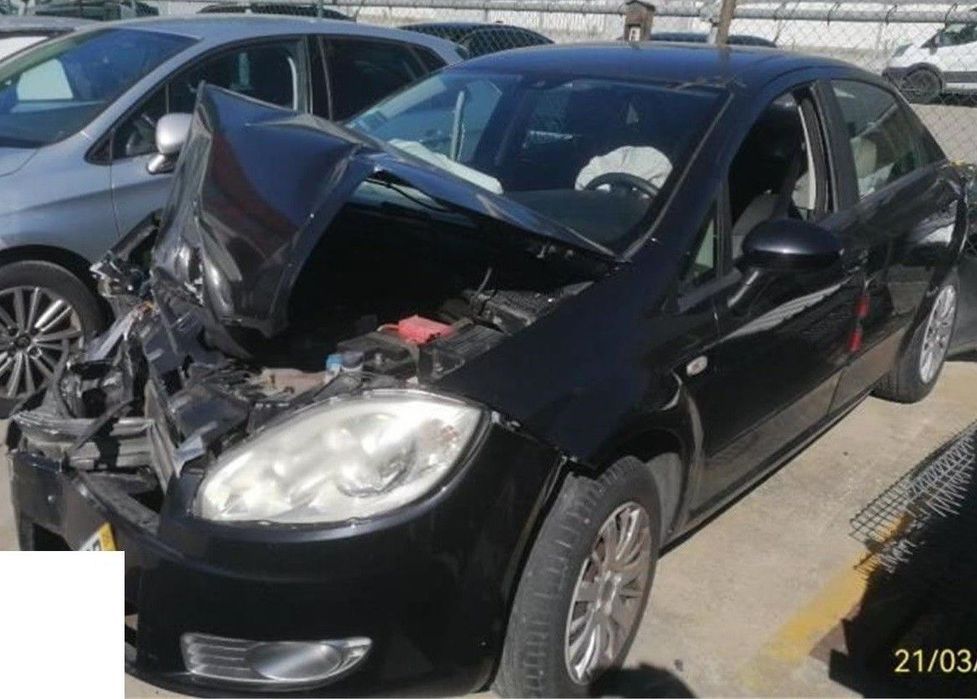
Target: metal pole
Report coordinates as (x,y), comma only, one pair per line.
(720,30)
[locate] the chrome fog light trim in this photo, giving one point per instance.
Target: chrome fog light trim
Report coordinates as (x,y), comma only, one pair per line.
(270,663)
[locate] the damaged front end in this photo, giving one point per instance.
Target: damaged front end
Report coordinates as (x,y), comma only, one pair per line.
(294,265)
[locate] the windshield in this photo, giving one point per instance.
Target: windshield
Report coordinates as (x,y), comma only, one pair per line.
(55,89)
(956,34)
(594,155)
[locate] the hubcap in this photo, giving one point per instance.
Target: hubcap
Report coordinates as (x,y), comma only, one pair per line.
(37,328)
(608,596)
(939,331)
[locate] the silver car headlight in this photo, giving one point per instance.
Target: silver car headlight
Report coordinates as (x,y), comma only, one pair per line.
(342,460)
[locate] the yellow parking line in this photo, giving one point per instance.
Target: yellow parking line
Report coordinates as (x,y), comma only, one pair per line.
(767,671)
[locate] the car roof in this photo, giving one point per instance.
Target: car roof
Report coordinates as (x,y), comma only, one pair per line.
(462,25)
(742,67)
(29,23)
(702,37)
(224,28)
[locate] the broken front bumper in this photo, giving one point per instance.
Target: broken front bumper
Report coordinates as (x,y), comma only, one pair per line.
(429,585)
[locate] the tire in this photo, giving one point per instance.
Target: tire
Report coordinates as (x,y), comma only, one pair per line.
(913,378)
(922,86)
(48,294)
(534,658)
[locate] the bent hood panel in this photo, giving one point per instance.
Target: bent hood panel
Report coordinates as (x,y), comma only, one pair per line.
(256,188)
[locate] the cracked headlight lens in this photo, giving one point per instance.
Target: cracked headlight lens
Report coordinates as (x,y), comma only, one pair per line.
(348,459)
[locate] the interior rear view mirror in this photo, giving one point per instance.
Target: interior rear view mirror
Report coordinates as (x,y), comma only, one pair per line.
(171,134)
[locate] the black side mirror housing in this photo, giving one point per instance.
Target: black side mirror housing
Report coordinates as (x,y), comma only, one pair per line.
(790,245)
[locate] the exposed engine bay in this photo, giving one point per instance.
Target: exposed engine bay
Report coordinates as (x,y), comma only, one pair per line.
(399,287)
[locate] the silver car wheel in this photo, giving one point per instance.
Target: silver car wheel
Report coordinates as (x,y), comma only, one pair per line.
(607,599)
(938,333)
(37,329)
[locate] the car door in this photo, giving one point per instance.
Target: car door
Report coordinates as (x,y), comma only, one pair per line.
(273,71)
(903,214)
(965,333)
(360,72)
(769,379)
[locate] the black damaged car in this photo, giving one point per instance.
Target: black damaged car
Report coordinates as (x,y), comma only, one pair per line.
(412,404)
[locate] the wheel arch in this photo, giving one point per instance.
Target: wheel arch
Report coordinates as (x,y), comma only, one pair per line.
(69,260)
(932,68)
(668,455)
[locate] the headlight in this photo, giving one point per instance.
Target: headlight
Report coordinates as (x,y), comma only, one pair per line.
(351,458)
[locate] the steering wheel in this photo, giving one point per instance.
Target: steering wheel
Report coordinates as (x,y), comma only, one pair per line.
(623,181)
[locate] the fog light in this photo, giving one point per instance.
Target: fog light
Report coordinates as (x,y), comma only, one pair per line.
(270,663)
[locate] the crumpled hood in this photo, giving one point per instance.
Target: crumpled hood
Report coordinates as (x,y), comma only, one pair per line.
(256,189)
(12,159)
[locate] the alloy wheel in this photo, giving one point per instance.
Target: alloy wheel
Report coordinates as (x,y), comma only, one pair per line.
(37,329)
(938,333)
(609,593)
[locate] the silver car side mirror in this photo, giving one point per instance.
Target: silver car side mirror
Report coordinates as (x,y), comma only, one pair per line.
(171,134)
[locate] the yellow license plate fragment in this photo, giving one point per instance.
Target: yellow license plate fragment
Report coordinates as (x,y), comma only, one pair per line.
(101,540)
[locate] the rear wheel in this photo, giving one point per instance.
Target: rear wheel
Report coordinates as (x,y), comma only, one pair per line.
(919,367)
(45,311)
(585,585)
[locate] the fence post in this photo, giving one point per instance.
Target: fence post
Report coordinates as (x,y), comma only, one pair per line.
(720,28)
(638,18)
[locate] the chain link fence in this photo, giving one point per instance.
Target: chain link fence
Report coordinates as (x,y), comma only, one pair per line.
(928,49)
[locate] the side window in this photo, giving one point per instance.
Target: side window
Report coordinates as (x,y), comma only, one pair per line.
(267,71)
(884,142)
(363,72)
(431,60)
(780,170)
(702,267)
(137,134)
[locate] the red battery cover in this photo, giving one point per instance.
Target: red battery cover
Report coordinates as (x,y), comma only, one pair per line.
(419,331)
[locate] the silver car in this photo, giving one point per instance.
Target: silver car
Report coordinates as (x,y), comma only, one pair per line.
(77,131)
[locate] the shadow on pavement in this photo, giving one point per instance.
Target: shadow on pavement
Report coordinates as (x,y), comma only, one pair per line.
(915,631)
(641,681)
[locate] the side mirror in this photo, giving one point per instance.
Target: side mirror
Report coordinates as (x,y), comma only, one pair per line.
(789,245)
(171,135)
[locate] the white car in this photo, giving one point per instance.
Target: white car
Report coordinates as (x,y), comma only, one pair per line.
(17,33)
(946,63)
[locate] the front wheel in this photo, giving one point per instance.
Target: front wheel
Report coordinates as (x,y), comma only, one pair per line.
(916,371)
(585,585)
(45,311)
(922,86)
